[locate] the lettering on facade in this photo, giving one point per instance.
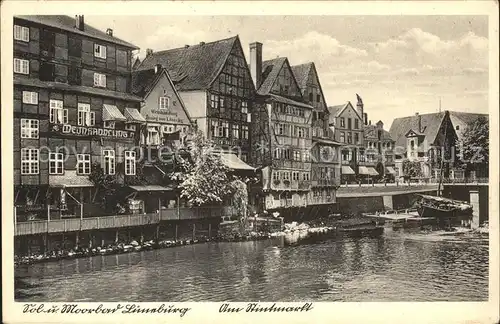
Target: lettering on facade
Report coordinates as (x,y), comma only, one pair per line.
(92,131)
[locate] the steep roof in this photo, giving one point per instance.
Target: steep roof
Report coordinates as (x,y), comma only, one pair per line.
(301,73)
(371,131)
(270,71)
(67,23)
(143,81)
(192,67)
(430,125)
(466,117)
(334,110)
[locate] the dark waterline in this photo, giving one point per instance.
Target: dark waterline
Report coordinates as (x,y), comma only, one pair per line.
(393,267)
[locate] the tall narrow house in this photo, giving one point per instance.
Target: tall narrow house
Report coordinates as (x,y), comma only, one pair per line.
(281,133)
(214,82)
(325,165)
(73,112)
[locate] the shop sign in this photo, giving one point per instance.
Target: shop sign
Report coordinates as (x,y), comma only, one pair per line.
(92,131)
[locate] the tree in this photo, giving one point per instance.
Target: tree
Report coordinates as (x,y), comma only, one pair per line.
(411,169)
(474,146)
(202,177)
(105,184)
(239,192)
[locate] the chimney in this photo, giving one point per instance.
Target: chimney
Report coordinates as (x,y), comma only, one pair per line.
(158,68)
(419,122)
(202,43)
(369,122)
(109,32)
(79,22)
(365,119)
(256,63)
(149,51)
(186,46)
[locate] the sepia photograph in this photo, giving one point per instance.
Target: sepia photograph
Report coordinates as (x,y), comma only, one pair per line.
(250,158)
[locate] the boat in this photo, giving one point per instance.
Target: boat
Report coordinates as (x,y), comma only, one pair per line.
(440,207)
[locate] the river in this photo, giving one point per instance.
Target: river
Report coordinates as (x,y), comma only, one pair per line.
(391,267)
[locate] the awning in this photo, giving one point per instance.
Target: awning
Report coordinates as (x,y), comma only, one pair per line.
(367,171)
(69,180)
(347,170)
(150,188)
(134,116)
(232,161)
(390,170)
(112,113)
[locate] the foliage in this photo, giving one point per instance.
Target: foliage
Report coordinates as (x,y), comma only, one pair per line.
(239,192)
(412,169)
(475,143)
(202,177)
(106,186)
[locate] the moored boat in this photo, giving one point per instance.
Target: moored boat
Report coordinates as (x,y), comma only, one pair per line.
(439,207)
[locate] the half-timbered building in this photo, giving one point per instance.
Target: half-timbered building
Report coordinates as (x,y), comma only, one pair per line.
(73,111)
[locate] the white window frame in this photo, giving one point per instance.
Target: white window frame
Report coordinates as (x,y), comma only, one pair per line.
(21,33)
(84,115)
(109,124)
(224,126)
(153,137)
(306,156)
(163,102)
(57,113)
(30,161)
(130,127)
(236,131)
(56,163)
(100,51)
(296,155)
(30,97)
(130,163)
(276,175)
(21,66)
(83,162)
(244,107)
(109,159)
(244,131)
(286,176)
(99,80)
(30,128)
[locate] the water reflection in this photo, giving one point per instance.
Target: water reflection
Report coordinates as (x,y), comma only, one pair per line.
(386,268)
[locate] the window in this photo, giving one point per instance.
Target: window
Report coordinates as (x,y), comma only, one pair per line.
(109,124)
(244,131)
(83,164)
(100,51)
(225,129)
(342,122)
(164,103)
(130,127)
(295,176)
(21,66)
(310,96)
(346,155)
(84,118)
(99,80)
(29,161)
(57,114)
(236,131)
(109,161)
(56,163)
(276,175)
(296,155)
(300,132)
(21,33)
(29,128)
(356,137)
(342,137)
(30,97)
(305,176)
(153,137)
(349,123)
(318,98)
(349,137)
(412,144)
(130,163)
(286,176)
(457,127)
(356,123)
(47,71)
(306,156)
(244,107)
(214,101)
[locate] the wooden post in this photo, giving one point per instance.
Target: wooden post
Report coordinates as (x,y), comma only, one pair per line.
(176,230)
(117,235)
(194,231)
(63,240)
(77,238)
(45,241)
(158,231)
(209,230)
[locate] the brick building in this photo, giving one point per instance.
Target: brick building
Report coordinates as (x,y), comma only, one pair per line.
(73,110)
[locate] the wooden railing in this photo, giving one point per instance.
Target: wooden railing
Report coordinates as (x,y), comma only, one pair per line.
(118,221)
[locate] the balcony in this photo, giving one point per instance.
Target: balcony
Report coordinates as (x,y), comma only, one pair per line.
(326,182)
(119,221)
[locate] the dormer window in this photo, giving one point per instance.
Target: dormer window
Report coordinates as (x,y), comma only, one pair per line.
(100,51)
(164,102)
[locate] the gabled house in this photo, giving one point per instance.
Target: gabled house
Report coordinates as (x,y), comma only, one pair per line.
(325,151)
(281,133)
(377,159)
(167,121)
(460,120)
(347,123)
(425,138)
(214,82)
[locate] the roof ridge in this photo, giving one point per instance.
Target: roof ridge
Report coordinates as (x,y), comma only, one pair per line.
(190,46)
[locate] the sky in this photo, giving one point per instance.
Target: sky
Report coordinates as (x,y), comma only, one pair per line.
(399,65)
